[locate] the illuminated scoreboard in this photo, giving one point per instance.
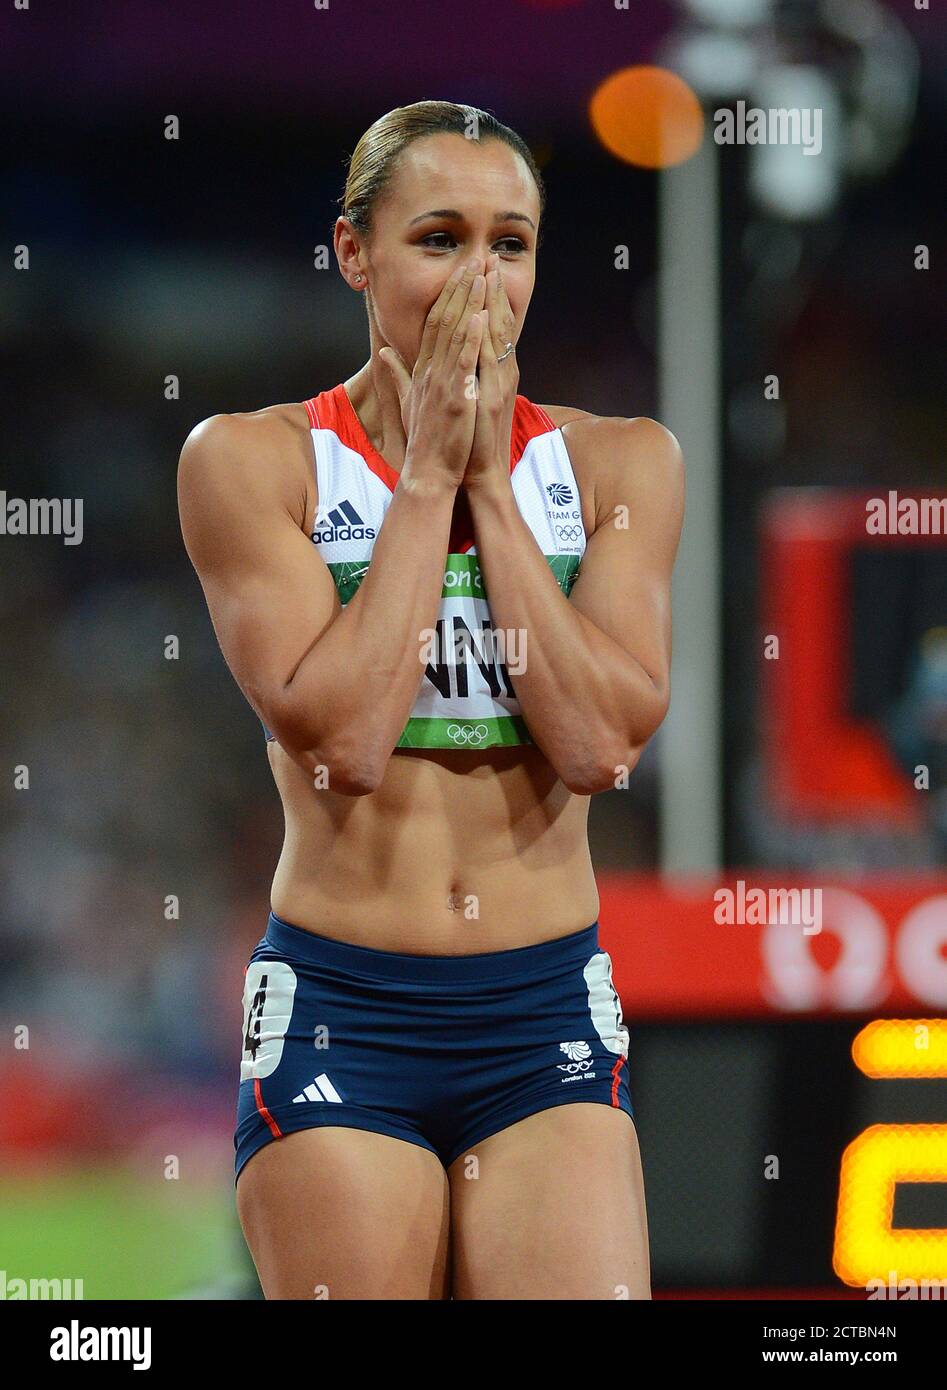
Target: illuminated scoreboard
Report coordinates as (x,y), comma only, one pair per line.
(867,1245)
(789,1079)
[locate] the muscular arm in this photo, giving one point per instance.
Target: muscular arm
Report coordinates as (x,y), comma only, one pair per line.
(334,685)
(597,679)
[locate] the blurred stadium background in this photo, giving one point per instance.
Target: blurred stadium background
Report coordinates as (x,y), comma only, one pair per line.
(193,258)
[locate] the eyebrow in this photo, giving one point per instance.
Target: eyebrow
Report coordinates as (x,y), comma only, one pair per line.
(452,215)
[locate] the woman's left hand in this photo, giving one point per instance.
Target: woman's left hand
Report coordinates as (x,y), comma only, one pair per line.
(490,453)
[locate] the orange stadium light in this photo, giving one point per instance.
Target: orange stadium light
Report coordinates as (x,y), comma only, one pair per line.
(647,116)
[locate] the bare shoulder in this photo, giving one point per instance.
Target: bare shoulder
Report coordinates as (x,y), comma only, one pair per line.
(631,436)
(252,463)
(625,453)
(259,450)
(561,414)
(243,432)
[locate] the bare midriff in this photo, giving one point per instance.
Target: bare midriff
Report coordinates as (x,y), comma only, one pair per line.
(455,853)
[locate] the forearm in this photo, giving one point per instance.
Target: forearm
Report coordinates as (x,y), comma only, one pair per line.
(355,688)
(589,705)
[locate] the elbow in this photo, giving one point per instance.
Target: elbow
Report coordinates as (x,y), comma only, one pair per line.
(588,781)
(346,770)
(608,760)
(334,763)
(601,775)
(340,772)
(356,781)
(603,766)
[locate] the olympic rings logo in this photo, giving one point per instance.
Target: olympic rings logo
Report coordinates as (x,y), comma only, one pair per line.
(573,1067)
(569,533)
(471,734)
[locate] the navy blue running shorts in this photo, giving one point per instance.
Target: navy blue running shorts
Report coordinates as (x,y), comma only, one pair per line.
(441,1051)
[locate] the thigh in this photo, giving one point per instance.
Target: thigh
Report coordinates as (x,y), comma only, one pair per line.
(552,1208)
(346,1213)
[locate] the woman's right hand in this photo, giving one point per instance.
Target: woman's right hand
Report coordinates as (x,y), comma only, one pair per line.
(439,398)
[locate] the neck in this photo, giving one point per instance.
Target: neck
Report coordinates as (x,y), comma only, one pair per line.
(375,400)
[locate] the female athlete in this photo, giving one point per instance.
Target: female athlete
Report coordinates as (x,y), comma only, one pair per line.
(450,609)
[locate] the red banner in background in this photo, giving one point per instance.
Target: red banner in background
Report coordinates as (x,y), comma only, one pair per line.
(822,763)
(748,945)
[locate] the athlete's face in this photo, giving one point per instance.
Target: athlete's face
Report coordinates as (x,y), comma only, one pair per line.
(449,198)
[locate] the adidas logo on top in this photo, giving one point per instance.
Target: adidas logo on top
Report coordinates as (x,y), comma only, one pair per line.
(342,523)
(320,1089)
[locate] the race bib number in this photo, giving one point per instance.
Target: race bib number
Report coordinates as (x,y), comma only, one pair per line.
(267,1009)
(605,1005)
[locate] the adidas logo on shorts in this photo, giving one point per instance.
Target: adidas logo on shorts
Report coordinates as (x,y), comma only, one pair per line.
(320,1089)
(344,524)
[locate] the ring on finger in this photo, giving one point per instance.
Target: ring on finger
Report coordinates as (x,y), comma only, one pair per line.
(509,349)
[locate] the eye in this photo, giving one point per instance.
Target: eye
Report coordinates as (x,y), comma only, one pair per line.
(511,245)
